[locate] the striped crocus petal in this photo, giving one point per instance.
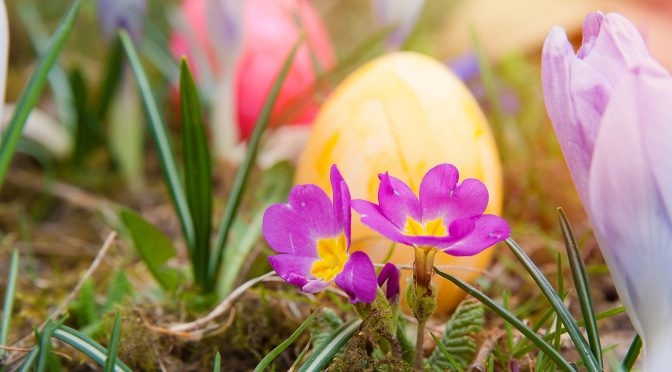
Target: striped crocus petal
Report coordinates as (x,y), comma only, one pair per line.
(447,215)
(312,238)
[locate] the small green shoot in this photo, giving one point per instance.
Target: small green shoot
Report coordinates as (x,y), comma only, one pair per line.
(111,360)
(632,354)
(8,304)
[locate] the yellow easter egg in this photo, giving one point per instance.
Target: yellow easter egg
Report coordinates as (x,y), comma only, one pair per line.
(403,113)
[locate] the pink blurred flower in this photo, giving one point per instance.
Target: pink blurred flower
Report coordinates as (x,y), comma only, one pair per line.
(270,29)
(611,107)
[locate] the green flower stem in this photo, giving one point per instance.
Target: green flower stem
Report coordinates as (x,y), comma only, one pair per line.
(421,297)
(380,317)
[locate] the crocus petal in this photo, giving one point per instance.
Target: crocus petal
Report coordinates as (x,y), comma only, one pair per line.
(286,231)
(440,196)
(628,208)
(577,87)
(122,14)
(342,200)
(373,217)
(295,270)
(389,277)
(358,278)
(487,230)
(313,204)
(397,201)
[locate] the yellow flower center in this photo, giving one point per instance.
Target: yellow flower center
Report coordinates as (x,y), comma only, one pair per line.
(430,228)
(332,253)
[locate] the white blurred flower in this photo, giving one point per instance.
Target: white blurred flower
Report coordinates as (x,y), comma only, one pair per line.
(402,14)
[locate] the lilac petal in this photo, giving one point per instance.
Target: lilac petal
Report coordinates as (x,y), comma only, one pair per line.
(441,197)
(628,208)
(287,232)
(557,63)
(341,201)
(488,230)
(295,270)
(373,217)
(313,204)
(390,275)
(122,14)
(358,278)
(397,201)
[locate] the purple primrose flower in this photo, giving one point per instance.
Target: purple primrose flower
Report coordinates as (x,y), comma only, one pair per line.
(388,279)
(312,236)
(447,216)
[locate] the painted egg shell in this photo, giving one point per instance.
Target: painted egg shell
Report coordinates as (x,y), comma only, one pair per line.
(403,113)
(271,28)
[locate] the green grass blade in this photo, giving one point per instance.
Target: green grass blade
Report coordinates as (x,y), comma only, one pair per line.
(197,174)
(632,354)
(31,93)
(603,315)
(557,304)
(582,286)
(327,350)
(217,366)
(8,305)
(161,139)
(112,78)
(45,346)
(270,357)
(244,171)
(28,361)
(509,317)
(111,360)
(445,352)
(87,346)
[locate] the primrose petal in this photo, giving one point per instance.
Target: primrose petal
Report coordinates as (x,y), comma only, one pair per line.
(358,278)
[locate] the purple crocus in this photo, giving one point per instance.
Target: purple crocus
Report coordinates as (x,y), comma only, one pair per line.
(122,14)
(312,236)
(610,105)
(388,279)
(447,216)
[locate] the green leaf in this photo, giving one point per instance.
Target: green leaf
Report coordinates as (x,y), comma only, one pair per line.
(557,304)
(119,289)
(31,93)
(197,174)
(509,317)
(111,78)
(111,360)
(582,286)
(86,345)
(324,326)
(85,308)
(154,248)
(8,304)
(406,345)
(217,367)
(285,344)
(162,141)
(275,185)
(446,355)
(458,338)
(244,171)
(324,353)
(45,345)
(632,354)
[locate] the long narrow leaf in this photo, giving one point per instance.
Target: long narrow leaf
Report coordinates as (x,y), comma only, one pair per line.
(599,316)
(28,361)
(114,345)
(445,352)
(327,350)
(632,354)
(285,344)
(582,286)
(161,139)
(8,305)
(198,180)
(244,171)
(45,345)
(556,302)
(217,367)
(86,345)
(509,317)
(31,93)
(112,78)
